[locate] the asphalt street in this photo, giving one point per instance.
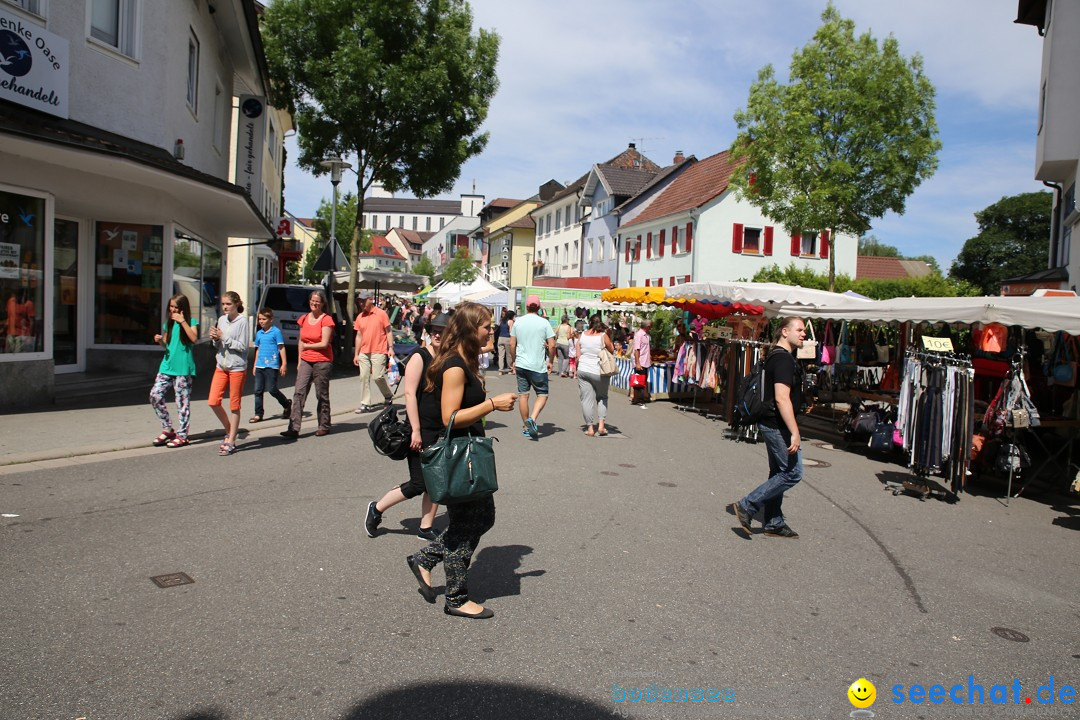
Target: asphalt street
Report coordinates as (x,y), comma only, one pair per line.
(613,567)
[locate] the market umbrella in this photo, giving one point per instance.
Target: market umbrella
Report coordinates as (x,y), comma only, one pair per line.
(651,295)
(715,310)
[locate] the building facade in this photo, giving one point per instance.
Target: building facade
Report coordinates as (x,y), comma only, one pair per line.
(115,185)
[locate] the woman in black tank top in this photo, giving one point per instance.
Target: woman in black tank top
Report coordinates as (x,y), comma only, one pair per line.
(452,384)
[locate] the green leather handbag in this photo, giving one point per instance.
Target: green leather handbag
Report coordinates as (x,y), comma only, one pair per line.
(459,469)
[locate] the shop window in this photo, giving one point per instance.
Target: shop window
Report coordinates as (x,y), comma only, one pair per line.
(22,263)
(127,283)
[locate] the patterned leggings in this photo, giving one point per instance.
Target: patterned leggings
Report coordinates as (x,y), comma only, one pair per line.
(182,388)
(456,545)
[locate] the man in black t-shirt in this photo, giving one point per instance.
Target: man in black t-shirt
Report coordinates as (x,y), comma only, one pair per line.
(779,430)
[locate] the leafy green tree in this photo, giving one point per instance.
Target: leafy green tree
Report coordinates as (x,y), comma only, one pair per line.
(848,138)
(346,222)
(399,87)
(425,267)
(461,269)
(870,246)
(1013,237)
(932,285)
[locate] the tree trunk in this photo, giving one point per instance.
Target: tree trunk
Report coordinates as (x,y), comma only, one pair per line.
(354,247)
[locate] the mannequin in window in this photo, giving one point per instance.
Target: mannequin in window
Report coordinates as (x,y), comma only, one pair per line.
(20,322)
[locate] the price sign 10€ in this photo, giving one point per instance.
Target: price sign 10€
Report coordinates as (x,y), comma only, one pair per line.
(937,344)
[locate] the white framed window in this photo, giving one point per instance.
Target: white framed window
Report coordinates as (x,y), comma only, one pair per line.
(600,248)
(427,224)
(558,220)
(271,141)
(589,250)
(193,72)
(113,23)
(751,243)
(808,244)
(681,241)
(34,7)
(656,244)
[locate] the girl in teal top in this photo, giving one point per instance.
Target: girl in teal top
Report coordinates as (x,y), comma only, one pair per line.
(177,369)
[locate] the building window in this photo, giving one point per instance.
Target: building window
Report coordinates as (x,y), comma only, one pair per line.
(401,221)
(127,289)
(808,244)
(387,223)
(1069,201)
(193,72)
(30,6)
(680,242)
(442,222)
(112,22)
(656,244)
(600,248)
(589,250)
(271,141)
(22,267)
(751,244)
(547,223)
(558,220)
(427,224)
(577,253)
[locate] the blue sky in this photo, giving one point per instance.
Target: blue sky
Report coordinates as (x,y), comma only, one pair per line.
(579,80)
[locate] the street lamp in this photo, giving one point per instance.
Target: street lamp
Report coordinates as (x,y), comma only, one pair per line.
(631,244)
(335,166)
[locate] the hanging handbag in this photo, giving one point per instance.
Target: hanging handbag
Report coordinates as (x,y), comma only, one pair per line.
(866,350)
(808,351)
(1064,370)
(882,437)
(606,361)
(882,348)
(1018,418)
(845,352)
(828,349)
(993,338)
(459,469)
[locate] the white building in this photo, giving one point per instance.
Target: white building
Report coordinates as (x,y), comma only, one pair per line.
(115,190)
(1057,152)
(558,232)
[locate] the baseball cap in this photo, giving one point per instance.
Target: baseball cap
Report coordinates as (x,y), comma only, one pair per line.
(532,300)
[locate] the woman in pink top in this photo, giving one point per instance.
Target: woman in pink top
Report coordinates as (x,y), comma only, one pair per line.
(316,360)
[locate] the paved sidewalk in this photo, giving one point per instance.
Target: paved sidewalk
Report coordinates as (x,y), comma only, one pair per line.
(53,433)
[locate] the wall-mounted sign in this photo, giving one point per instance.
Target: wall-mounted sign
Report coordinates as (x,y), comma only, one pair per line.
(284,227)
(33,66)
(250,140)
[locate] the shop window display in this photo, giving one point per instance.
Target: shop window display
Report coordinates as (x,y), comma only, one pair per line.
(197,274)
(22,259)
(127,285)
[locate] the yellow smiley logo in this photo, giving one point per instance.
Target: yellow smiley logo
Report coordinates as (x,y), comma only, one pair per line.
(862,693)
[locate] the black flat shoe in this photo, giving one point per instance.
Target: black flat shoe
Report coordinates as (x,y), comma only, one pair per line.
(426,590)
(484,615)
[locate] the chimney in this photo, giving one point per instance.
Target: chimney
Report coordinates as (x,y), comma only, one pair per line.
(633,146)
(678,157)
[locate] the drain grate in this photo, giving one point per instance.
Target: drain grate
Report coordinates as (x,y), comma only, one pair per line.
(172,580)
(1010,634)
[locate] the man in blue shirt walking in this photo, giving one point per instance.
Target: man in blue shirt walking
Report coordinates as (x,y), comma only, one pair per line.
(532,351)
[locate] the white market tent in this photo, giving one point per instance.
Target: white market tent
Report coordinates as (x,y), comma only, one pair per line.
(1048,313)
(452,293)
(770,296)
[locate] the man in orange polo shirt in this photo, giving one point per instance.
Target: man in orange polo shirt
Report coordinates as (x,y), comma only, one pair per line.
(374,344)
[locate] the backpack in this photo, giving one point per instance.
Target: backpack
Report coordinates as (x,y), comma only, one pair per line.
(390,435)
(750,405)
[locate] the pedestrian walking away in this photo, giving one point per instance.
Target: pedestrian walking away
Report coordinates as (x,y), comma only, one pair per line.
(506,324)
(315,360)
(592,385)
(373,347)
(230,338)
(532,353)
(563,337)
(270,364)
(415,369)
(642,355)
(782,379)
(452,385)
(177,369)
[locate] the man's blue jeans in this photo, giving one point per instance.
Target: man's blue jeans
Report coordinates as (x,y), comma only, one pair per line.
(785,471)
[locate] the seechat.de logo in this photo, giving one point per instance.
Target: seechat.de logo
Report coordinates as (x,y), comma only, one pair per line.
(15,58)
(862,695)
(252,108)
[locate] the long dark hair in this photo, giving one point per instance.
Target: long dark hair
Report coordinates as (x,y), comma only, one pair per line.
(460,339)
(596,323)
(180,301)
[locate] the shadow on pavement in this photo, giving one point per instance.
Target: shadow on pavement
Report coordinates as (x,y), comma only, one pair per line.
(204,715)
(477,701)
(492,574)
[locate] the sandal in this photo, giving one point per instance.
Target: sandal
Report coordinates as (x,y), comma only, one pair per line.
(164,438)
(177,442)
(255,419)
(227,449)
(602,433)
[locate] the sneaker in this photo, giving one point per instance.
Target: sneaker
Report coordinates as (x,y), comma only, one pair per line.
(525,432)
(531,430)
(428,534)
(372,520)
(783,532)
(742,516)
(290,433)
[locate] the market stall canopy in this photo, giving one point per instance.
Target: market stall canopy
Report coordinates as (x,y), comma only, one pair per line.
(642,295)
(1047,313)
(495,299)
(453,293)
(711,308)
(767,295)
(381,280)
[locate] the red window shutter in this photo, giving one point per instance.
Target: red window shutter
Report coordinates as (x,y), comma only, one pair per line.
(796,245)
(689,236)
(686,278)
(648,245)
(736,238)
(626,244)
(824,245)
(768,239)
(661,243)
(672,279)
(674,239)
(659,282)
(637,250)
(646,282)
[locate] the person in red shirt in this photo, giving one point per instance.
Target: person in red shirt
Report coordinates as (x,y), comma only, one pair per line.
(316,360)
(374,344)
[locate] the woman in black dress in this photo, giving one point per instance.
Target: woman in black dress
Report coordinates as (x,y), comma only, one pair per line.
(453,384)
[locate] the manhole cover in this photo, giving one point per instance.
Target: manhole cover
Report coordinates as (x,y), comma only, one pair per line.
(172,580)
(1010,634)
(824,445)
(811,462)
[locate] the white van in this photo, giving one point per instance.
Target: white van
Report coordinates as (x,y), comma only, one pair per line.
(289,302)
